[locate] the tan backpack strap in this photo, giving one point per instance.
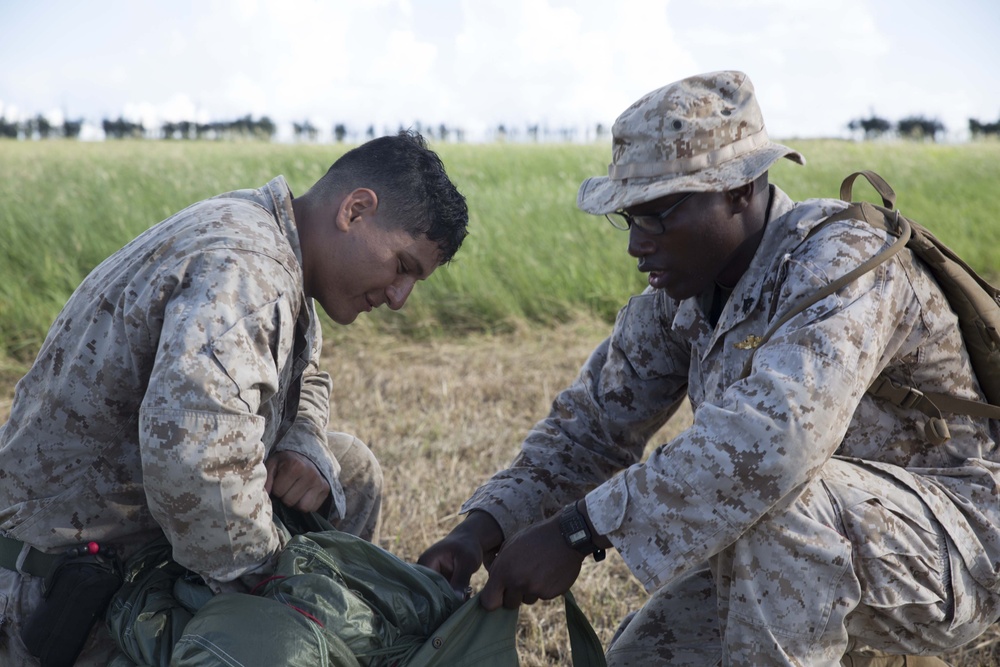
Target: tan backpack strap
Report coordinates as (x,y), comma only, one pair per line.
(931,404)
(884,189)
(963,406)
(836,285)
(936,429)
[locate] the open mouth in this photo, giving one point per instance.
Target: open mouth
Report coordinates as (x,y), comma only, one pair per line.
(657,279)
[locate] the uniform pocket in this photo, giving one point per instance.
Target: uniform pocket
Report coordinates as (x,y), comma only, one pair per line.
(899,557)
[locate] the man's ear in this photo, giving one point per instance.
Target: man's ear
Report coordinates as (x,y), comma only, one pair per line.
(356,205)
(741,197)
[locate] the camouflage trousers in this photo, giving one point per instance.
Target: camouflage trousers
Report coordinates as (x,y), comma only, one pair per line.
(856,565)
(360,476)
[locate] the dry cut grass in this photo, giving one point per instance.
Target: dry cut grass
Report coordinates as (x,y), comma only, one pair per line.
(444,415)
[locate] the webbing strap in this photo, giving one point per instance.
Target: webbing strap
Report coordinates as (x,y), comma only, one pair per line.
(929,402)
(584,643)
(935,429)
(35,563)
(884,189)
(836,285)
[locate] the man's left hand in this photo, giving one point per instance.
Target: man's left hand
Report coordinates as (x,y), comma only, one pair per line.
(295,481)
(536,564)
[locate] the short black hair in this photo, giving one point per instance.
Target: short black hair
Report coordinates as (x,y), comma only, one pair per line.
(410,181)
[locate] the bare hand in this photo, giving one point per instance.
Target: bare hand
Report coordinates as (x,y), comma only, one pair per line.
(536,564)
(460,553)
(295,481)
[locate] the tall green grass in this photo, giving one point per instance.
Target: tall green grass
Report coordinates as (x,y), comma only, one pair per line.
(531,255)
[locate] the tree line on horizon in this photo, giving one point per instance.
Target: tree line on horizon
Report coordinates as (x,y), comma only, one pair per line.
(915,127)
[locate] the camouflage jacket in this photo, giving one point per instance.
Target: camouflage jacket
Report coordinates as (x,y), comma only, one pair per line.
(177,366)
(755,441)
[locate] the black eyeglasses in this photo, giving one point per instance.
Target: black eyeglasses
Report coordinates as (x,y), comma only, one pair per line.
(651,224)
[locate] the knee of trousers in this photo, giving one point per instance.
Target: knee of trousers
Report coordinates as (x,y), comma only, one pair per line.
(788,572)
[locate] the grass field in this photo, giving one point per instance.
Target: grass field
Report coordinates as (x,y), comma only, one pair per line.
(531,255)
(444,390)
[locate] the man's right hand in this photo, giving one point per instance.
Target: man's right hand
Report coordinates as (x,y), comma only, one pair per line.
(462,551)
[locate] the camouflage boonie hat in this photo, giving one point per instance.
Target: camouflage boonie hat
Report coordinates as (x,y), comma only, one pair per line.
(701,134)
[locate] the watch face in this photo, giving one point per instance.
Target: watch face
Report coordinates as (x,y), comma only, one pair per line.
(574,529)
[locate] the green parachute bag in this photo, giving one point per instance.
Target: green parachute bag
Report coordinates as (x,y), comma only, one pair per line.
(342,601)
(334,599)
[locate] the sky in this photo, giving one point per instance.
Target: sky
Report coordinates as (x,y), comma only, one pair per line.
(477,64)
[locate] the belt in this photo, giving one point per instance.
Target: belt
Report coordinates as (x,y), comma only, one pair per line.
(35,562)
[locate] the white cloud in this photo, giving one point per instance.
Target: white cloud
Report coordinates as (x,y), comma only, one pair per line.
(54,116)
(179,107)
(478,63)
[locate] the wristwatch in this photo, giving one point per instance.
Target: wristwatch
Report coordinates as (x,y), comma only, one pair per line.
(574,530)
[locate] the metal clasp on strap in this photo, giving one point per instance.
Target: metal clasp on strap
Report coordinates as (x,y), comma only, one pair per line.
(909,398)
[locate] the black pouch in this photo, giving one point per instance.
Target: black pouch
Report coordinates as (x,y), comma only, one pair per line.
(77,593)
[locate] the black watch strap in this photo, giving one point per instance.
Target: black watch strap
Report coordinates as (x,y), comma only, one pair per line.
(577,534)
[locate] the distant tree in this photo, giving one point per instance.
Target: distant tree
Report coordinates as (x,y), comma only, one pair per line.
(533,132)
(443,132)
(242,128)
(8,129)
(222,129)
(979,130)
(39,125)
(339,132)
(919,127)
(122,129)
(567,133)
(873,126)
(370,132)
(266,128)
(305,130)
(71,128)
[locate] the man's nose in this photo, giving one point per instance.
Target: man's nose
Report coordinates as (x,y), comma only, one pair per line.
(640,243)
(398,292)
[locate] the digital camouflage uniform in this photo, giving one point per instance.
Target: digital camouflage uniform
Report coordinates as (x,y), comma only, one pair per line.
(175,369)
(798,519)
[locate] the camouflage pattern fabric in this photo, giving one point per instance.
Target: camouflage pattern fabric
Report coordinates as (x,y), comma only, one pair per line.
(175,369)
(19,595)
(703,134)
(757,443)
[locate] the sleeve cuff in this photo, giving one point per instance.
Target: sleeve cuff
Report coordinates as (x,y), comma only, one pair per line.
(302,439)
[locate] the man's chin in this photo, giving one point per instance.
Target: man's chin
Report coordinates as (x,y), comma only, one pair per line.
(342,318)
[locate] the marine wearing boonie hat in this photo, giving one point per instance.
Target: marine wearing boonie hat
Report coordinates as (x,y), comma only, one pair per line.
(701,134)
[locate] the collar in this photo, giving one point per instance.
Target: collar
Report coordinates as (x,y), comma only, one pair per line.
(779,236)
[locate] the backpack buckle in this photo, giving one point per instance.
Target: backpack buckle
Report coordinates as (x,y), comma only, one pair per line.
(911,399)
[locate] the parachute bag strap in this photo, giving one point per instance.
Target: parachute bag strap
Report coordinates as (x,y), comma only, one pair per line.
(586,646)
(884,189)
(474,637)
